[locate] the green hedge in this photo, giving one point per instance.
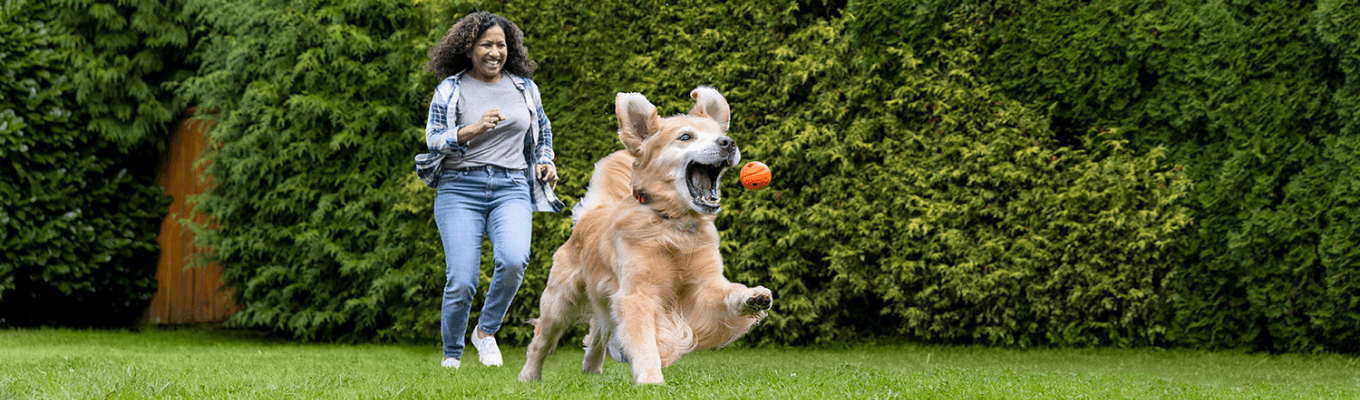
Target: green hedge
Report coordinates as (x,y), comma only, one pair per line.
(128,57)
(1020,173)
(1258,100)
(79,214)
(953,208)
(321,109)
(1009,246)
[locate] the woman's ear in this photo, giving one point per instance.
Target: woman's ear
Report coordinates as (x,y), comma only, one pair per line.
(637,120)
(708,103)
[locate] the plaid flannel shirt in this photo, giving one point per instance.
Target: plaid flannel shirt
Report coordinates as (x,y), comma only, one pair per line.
(441,139)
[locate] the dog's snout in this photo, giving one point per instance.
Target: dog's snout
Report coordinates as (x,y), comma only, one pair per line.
(726,143)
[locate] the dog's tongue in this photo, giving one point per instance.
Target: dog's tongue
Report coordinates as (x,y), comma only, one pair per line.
(700,181)
(701,186)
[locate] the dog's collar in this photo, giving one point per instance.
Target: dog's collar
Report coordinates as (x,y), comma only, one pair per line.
(643,199)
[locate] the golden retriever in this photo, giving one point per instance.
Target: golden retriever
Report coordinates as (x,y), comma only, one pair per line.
(642,263)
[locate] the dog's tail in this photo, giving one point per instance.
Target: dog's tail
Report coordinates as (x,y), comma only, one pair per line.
(611,181)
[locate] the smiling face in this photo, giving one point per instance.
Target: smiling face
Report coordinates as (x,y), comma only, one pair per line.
(488,55)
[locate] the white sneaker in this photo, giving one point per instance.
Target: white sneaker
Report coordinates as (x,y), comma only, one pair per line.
(487,350)
(449,363)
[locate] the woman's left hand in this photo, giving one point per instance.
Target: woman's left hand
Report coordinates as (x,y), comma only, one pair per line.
(548,173)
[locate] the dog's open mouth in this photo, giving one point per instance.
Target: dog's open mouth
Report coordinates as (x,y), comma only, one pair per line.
(703,184)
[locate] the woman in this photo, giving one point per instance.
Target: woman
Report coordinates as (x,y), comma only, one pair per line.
(490,159)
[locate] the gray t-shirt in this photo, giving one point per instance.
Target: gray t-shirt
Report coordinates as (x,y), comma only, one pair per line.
(502,146)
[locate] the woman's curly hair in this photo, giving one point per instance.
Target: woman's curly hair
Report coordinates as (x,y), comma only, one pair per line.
(450,55)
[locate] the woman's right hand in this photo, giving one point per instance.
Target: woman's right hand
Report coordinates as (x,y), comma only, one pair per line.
(489,120)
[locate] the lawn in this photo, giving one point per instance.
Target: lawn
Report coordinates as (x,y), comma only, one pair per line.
(215,363)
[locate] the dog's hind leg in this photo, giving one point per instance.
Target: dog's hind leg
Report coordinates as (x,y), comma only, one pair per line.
(549,331)
(596,344)
(556,310)
(601,340)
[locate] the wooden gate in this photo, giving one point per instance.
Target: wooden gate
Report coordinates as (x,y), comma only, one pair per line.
(185,294)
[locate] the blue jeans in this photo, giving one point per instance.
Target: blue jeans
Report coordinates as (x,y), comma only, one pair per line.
(468,203)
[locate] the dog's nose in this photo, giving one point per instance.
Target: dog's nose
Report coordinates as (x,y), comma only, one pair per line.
(726,143)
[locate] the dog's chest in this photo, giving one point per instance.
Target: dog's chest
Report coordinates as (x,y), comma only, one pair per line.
(686,226)
(686,234)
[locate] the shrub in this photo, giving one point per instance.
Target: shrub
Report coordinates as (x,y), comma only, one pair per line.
(1257,100)
(320,108)
(126,60)
(79,213)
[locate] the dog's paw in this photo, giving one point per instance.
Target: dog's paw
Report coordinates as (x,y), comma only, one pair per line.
(615,350)
(760,300)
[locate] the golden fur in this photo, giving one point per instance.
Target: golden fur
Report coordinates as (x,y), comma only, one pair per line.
(646,274)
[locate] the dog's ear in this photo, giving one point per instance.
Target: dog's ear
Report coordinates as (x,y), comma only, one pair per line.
(637,120)
(708,103)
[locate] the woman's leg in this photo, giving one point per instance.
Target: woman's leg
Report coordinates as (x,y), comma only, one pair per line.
(459,211)
(510,228)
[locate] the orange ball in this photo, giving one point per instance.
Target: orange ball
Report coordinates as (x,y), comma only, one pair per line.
(755,175)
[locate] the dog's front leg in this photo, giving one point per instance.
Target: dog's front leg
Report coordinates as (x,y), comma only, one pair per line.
(719,310)
(637,311)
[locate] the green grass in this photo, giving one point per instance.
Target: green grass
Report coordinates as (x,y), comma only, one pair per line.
(207,363)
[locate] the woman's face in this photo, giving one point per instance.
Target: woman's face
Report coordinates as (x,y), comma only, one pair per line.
(488,54)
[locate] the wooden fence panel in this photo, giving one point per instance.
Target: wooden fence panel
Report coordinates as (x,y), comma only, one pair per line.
(185,294)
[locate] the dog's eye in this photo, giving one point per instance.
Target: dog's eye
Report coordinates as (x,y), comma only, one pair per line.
(685,137)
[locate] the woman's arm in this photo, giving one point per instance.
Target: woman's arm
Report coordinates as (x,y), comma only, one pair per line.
(489,120)
(440,137)
(544,152)
(547,170)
